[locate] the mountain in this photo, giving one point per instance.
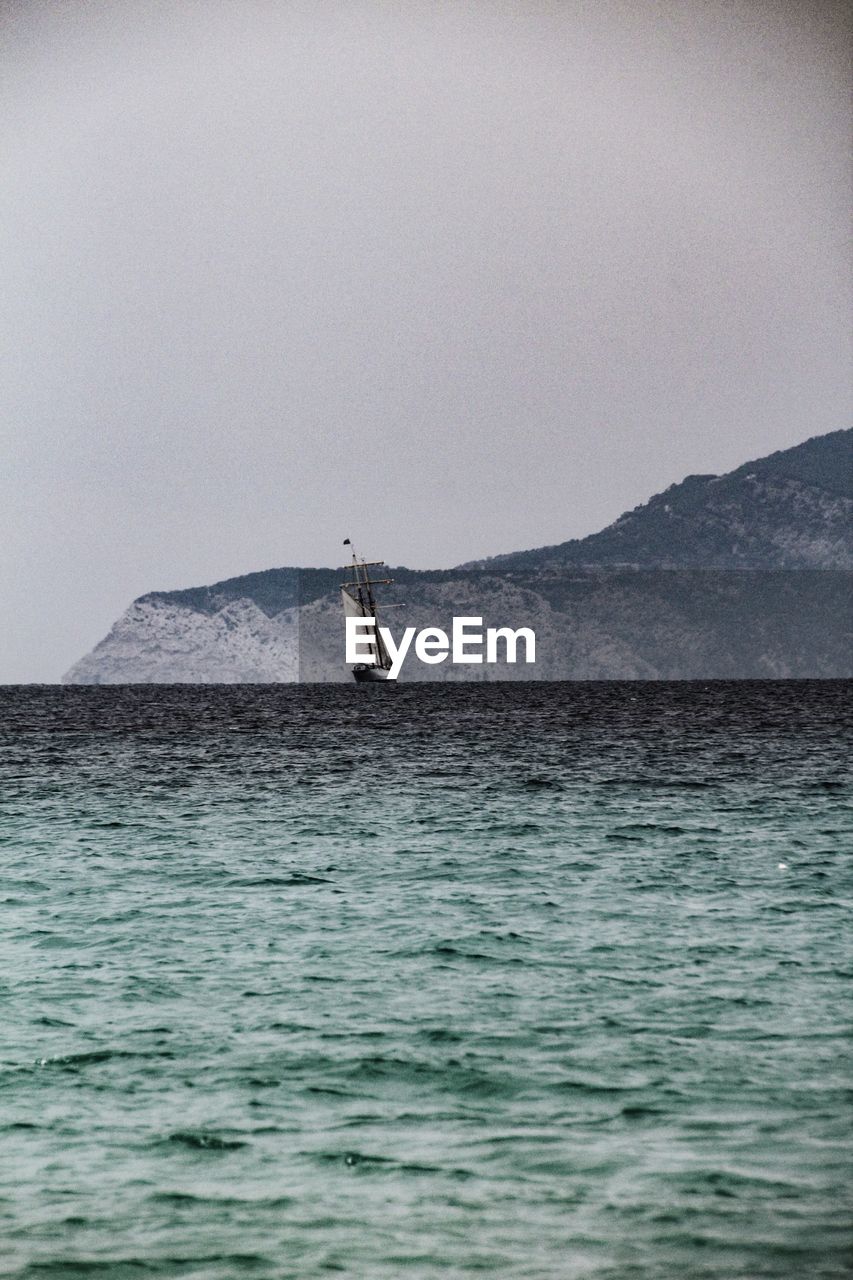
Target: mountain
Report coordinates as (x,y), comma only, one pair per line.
(745,575)
(790,510)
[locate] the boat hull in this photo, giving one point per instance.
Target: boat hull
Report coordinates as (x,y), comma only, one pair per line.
(364,674)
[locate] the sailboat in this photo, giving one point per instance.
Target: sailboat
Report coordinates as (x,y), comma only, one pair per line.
(360,602)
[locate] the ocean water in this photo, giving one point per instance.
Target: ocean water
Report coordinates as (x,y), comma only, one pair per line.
(426,981)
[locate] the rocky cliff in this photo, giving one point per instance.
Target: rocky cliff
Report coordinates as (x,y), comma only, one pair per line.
(746,575)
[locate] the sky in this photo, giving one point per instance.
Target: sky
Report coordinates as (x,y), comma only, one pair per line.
(449,278)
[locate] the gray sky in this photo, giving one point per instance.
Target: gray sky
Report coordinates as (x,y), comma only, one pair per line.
(449,278)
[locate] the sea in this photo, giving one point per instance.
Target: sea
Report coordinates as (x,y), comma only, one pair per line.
(426,981)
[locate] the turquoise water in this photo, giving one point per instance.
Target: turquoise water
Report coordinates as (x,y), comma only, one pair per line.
(427,981)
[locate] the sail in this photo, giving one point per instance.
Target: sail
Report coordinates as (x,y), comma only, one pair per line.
(355,608)
(359,602)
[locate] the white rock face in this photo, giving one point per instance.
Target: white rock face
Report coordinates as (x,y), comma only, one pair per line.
(155,642)
(597,625)
(158,641)
(741,576)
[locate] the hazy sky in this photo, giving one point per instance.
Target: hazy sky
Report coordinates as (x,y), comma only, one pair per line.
(448,278)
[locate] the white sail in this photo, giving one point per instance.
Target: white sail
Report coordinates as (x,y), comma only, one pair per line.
(353,608)
(359,602)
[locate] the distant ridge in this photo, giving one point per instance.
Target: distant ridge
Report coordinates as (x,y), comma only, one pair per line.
(790,510)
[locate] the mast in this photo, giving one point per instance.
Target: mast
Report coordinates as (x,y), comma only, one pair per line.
(363,596)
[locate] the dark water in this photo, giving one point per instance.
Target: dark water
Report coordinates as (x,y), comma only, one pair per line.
(427,981)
